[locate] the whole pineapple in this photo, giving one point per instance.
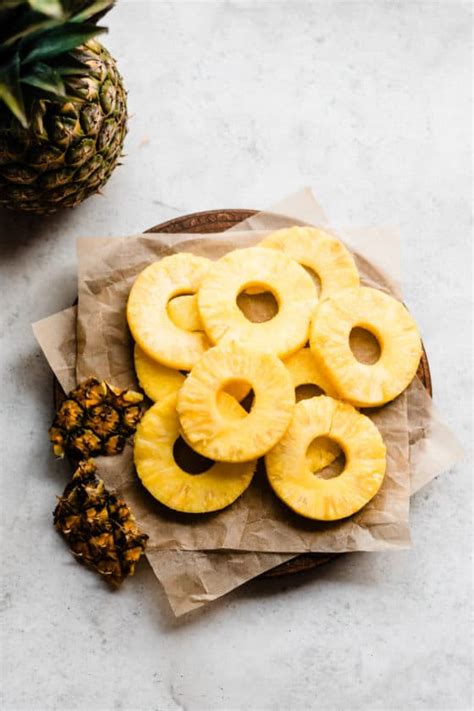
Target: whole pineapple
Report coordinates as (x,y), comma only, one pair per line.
(63,111)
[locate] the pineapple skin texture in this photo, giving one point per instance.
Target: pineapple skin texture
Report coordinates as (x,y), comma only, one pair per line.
(147,310)
(360,384)
(210,491)
(71,149)
(325,255)
(327,499)
(258,269)
(219,438)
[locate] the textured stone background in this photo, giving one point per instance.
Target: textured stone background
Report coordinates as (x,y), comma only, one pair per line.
(236,104)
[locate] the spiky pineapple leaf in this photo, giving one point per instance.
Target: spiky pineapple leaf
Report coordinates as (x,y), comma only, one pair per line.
(61,40)
(52,8)
(10,89)
(94,12)
(46,78)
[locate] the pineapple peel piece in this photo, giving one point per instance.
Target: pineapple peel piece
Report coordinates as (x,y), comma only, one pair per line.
(221,438)
(212,490)
(256,269)
(361,384)
(148,316)
(320,499)
(319,251)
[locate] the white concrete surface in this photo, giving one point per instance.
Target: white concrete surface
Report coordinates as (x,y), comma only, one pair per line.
(236,104)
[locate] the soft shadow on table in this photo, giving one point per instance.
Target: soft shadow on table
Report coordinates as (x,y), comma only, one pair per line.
(18,230)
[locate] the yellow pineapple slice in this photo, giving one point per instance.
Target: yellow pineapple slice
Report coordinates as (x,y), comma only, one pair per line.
(319,251)
(156,466)
(304,370)
(327,499)
(362,384)
(219,438)
(183,311)
(147,313)
(267,270)
(156,380)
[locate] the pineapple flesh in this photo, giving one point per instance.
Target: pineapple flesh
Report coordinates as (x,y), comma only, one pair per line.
(362,384)
(320,252)
(156,380)
(147,312)
(266,270)
(63,108)
(211,490)
(219,438)
(183,311)
(311,496)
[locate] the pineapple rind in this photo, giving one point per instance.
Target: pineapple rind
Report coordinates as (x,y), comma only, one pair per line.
(222,439)
(147,313)
(325,255)
(388,320)
(212,490)
(273,271)
(327,499)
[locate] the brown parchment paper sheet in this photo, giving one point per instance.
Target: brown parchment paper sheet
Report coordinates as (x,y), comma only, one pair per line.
(192,579)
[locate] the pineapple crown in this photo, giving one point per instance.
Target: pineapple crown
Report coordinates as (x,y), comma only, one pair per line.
(37,39)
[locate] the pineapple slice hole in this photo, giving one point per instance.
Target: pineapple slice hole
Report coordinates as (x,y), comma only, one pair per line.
(364,345)
(183,312)
(307,390)
(235,398)
(188,460)
(325,457)
(257,303)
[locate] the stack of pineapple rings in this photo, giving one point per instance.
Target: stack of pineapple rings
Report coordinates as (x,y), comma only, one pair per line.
(197,356)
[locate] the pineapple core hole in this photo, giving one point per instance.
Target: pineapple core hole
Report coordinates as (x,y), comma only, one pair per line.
(364,346)
(257,303)
(314,277)
(325,458)
(239,400)
(307,390)
(188,460)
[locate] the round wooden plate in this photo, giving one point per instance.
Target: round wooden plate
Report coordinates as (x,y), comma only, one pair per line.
(208,222)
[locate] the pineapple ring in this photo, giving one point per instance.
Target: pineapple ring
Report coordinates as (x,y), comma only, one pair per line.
(361,384)
(325,255)
(208,431)
(147,313)
(271,271)
(327,499)
(212,490)
(158,381)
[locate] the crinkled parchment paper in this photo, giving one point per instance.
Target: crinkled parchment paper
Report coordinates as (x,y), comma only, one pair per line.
(191,578)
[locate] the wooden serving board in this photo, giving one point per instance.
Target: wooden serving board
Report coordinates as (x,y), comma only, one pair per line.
(218,221)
